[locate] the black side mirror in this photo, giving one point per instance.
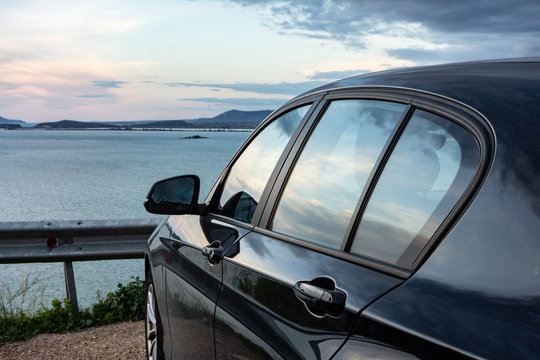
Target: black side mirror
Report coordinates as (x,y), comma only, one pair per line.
(174,196)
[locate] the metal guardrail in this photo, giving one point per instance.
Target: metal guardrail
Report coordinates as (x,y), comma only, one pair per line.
(68,241)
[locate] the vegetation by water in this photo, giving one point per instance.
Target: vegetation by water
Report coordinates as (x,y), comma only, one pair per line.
(126,303)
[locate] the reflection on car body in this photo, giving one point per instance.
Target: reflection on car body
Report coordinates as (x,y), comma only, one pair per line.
(390,215)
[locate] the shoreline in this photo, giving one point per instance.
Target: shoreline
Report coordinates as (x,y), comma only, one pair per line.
(133,129)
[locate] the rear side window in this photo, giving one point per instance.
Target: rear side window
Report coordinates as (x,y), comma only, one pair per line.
(429,169)
(323,190)
(250,173)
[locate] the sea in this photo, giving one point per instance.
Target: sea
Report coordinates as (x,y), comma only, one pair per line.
(94,175)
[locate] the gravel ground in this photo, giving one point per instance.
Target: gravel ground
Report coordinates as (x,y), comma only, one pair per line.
(117,341)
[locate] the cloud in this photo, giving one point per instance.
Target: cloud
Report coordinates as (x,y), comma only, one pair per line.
(108,83)
(283,88)
(95,96)
(415,54)
(463,26)
(341,19)
(241,102)
(336,75)
(14,56)
(470,47)
(475,16)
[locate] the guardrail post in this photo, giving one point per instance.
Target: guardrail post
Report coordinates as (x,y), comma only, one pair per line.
(70,286)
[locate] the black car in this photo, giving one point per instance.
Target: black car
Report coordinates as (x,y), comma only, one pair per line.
(392,215)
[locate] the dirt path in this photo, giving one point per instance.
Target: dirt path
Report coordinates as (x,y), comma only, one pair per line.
(117,341)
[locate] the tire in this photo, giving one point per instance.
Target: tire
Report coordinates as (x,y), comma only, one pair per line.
(153,329)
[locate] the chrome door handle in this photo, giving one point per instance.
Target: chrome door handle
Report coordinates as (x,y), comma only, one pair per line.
(321,296)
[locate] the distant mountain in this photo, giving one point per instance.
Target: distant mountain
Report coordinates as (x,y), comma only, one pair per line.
(164,124)
(72,124)
(130,123)
(10,121)
(233,119)
(10,126)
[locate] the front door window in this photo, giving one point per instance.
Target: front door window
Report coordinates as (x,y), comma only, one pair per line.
(250,173)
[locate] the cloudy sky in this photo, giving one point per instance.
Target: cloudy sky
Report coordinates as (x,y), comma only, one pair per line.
(107,60)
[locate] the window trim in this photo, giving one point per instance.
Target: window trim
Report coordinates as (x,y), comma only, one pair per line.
(463,115)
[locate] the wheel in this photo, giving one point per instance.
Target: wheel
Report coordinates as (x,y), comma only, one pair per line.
(153,328)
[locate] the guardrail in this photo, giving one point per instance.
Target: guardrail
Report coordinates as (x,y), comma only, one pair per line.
(68,241)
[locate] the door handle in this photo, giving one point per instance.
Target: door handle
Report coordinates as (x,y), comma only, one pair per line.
(321,296)
(213,252)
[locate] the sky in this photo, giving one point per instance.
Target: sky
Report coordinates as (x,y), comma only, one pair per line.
(108,60)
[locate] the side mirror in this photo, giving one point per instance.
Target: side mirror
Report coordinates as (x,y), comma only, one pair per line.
(174,196)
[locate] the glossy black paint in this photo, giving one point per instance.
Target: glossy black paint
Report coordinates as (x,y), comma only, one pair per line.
(475,292)
(258,294)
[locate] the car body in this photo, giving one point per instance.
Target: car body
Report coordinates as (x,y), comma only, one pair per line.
(391,215)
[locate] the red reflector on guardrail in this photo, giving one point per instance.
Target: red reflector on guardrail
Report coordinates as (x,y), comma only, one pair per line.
(52,242)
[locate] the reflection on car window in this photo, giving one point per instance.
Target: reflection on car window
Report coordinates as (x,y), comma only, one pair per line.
(327,181)
(251,171)
(428,171)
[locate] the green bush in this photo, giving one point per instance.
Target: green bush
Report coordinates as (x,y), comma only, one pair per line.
(126,303)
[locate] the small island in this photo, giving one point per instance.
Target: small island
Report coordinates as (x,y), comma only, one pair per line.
(193,137)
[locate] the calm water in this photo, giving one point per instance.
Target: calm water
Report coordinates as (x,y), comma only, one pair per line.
(87,175)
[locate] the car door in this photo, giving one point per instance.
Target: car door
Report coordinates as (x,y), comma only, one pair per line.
(193,280)
(192,283)
(290,290)
(360,197)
